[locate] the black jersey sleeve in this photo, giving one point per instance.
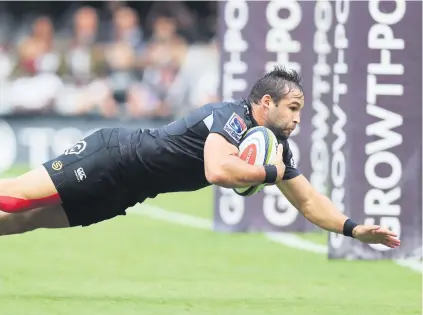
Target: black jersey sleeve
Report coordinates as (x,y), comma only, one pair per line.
(229,121)
(291,170)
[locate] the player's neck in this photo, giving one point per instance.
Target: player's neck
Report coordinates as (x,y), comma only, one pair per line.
(257,114)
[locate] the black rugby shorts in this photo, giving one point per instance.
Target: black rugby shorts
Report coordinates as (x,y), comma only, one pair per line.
(89,179)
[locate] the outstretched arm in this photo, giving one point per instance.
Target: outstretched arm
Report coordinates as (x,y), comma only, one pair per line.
(319,210)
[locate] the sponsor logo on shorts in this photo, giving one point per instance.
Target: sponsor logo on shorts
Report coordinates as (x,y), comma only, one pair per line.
(57,165)
(77,148)
(235,127)
(80,174)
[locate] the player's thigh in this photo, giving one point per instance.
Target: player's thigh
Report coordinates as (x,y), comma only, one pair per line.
(34,184)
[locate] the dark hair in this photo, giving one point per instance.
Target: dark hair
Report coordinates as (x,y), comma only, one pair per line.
(274,83)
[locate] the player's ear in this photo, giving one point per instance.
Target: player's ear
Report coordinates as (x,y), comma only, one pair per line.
(266,100)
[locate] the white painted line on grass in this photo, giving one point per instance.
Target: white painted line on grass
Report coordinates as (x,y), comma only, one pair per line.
(412,264)
(170,216)
(295,241)
(286,239)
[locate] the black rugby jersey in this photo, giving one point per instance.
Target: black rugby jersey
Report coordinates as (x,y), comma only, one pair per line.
(171,158)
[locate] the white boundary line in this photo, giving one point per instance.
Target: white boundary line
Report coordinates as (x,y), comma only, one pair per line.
(286,239)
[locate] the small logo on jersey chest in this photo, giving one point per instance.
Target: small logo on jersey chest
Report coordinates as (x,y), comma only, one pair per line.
(235,127)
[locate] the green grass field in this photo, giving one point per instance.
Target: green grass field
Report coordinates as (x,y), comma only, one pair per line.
(138,265)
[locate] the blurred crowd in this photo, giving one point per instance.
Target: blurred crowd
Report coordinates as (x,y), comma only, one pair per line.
(109,61)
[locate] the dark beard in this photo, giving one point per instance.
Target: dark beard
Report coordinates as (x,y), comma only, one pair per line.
(279,133)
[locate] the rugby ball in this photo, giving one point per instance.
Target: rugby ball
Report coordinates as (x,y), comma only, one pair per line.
(257,147)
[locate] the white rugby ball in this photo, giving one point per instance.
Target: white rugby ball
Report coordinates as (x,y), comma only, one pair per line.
(258,147)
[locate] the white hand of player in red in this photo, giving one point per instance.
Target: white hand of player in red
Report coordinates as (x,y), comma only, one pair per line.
(374,234)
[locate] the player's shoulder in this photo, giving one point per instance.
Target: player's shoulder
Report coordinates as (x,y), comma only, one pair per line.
(231,119)
(240,106)
(233,110)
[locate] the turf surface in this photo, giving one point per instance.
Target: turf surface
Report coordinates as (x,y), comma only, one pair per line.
(137,265)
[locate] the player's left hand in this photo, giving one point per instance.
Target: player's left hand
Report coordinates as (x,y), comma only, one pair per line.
(374,234)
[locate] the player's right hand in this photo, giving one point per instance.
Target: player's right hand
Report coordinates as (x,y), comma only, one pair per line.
(278,162)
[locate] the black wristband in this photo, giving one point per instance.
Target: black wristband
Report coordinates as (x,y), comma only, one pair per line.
(271,174)
(349,226)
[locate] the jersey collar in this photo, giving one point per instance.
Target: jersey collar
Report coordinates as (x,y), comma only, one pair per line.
(249,112)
